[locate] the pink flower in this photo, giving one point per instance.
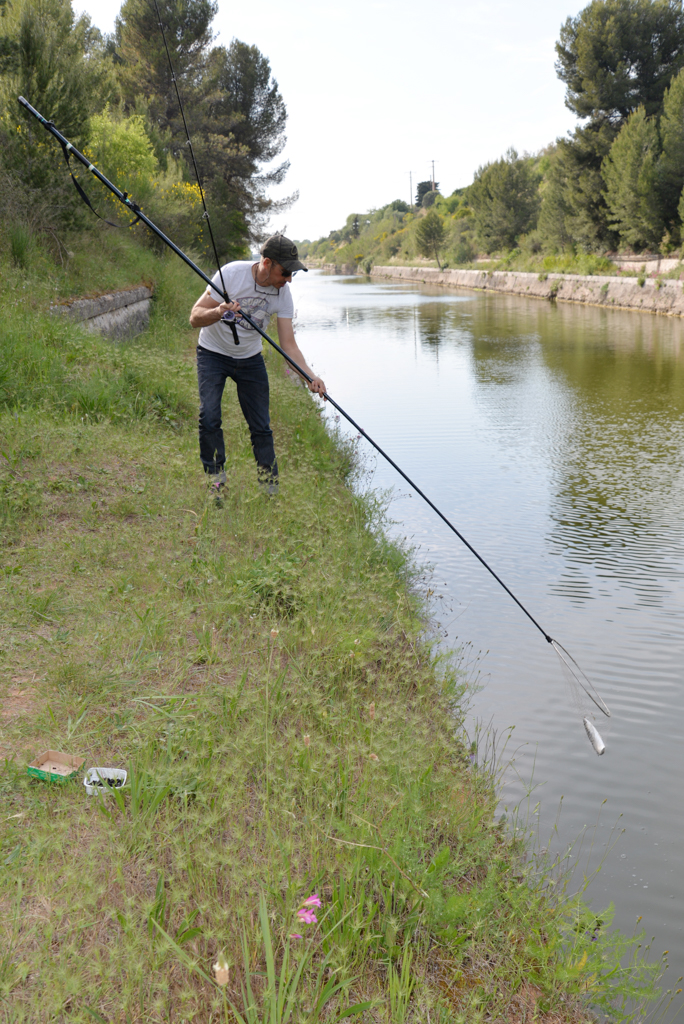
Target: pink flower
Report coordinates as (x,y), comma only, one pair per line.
(307,916)
(313,901)
(295,936)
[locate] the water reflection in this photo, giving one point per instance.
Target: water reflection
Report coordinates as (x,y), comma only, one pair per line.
(607,403)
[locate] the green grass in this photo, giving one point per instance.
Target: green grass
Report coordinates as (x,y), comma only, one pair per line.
(262,672)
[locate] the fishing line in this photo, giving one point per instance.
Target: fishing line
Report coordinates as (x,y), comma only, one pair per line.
(571,669)
(205,215)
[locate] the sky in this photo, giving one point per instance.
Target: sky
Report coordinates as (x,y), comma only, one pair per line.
(375,90)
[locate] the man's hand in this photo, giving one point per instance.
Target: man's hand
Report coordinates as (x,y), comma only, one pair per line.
(318,387)
(228,307)
(208,311)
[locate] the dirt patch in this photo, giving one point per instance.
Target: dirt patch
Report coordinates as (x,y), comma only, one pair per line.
(20,699)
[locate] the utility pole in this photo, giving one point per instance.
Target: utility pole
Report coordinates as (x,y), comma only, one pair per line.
(432,180)
(410,190)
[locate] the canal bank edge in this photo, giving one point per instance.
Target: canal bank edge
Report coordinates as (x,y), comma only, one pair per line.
(649,295)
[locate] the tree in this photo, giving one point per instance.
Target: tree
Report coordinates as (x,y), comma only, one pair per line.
(234,110)
(631,174)
(671,163)
(573,208)
(248,97)
(617,55)
(422,188)
(505,201)
(460,242)
(58,63)
(244,130)
(430,235)
(143,67)
(614,56)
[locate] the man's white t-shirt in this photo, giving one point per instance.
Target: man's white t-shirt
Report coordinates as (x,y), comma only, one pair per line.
(258,301)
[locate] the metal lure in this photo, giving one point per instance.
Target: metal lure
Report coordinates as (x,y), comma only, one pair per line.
(594,738)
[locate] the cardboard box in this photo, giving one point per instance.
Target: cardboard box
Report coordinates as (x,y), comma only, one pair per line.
(53,766)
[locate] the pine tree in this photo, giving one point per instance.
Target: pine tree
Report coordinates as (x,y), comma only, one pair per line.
(671,163)
(234,110)
(59,64)
(614,56)
(422,188)
(244,130)
(143,70)
(505,201)
(573,208)
(630,172)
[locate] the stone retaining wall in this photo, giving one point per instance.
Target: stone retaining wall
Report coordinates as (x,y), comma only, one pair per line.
(119,315)
(653,296)
(337,268)
(646,263)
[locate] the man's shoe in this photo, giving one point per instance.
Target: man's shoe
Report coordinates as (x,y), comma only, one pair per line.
(217,481)
(269,488)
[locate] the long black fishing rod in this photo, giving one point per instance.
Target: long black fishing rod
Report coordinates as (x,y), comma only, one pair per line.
(576,672)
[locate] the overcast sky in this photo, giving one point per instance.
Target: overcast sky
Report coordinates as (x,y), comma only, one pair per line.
(376,89)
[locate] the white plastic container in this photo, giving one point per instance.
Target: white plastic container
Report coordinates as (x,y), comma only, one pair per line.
(104,780)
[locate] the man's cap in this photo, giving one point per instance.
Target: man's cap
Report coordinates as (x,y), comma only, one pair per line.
(282,250)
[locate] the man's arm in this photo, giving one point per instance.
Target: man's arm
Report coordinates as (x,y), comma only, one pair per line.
(208,311)
(288,344)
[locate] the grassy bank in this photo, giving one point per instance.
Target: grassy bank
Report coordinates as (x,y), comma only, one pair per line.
(583,264)
(262,672)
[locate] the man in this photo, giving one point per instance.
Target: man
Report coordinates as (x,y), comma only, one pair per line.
(230,347)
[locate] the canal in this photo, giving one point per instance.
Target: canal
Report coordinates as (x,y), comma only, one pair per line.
(553,437)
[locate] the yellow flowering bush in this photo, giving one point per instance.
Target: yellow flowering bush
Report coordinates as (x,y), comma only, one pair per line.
(185,193)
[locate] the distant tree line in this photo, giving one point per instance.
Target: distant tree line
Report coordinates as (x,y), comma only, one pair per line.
(114,97)
(615,182)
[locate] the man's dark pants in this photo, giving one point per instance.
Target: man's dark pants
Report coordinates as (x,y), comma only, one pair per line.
(251,380)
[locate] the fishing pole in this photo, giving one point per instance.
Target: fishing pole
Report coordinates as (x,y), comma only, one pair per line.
(566,658)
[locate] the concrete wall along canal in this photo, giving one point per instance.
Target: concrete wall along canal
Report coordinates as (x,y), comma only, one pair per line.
(118,315)
(651,295)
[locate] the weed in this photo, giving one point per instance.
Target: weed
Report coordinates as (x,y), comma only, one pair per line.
(401,985)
